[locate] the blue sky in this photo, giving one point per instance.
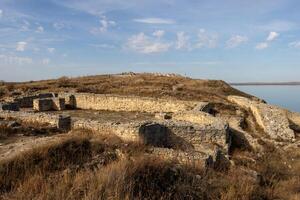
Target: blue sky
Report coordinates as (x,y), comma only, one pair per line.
(233,40)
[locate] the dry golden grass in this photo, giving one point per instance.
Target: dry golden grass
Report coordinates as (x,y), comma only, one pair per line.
(139,85)
(85,165)
(88,165)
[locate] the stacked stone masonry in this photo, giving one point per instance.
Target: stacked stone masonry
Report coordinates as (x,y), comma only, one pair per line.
(48,104)
(272,119)
(126,103)
(185,128)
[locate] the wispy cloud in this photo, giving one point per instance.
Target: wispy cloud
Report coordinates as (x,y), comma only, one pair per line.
(15,60)
(45,61)
(102,46)
(207,40)
(182,41)
(104,25)
(272,36)
(51,50)
(155,21)
(295,44)
(236,41)
(25,26)
(58,25)
(144,44)
(158,33)
(40,29)
(262,45)
(21,46)
(1,13)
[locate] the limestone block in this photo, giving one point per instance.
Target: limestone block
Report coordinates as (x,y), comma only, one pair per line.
(12,106)
(272,119)
(154,134)
(64,123)
(25,102)
(58,104)
(43,104)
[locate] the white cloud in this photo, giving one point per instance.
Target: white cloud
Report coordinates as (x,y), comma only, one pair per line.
(143,44)
(51,50)
(21,46)
(15,60)
(295,44)
(58,25)
(236,40)
(262,45)
(159,33)
(45,61)
(1,13)
(182,41)
(104,25)
(272,36)
(205,39)
(40,29)
(25,26)
(103,46)
(155,21)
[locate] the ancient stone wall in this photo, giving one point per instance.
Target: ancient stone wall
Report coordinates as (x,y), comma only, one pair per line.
(42,104)
(131,103)
(31,117)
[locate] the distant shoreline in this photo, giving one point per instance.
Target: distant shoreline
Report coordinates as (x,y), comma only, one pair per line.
(266,83)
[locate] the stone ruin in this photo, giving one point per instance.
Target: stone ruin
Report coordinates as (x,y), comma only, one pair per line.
(180,130)
(49,104)
(13,106)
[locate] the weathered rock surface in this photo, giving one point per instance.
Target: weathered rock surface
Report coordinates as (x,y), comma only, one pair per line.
(272,119)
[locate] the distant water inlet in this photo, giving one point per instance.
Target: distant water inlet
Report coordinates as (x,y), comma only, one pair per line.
(286,96)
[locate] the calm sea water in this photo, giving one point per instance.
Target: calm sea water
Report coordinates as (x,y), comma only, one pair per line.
(284,96)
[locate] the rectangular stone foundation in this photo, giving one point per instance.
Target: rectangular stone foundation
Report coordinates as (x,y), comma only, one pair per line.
(49,104)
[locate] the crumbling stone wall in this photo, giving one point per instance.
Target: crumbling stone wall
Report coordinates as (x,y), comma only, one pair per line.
(272,119)
(131,103)
(31,117)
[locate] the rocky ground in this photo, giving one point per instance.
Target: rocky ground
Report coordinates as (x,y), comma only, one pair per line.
(41,162)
